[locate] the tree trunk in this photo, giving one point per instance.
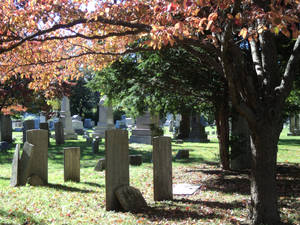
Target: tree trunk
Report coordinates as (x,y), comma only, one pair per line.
(221,116)
(184,128)
(264,142)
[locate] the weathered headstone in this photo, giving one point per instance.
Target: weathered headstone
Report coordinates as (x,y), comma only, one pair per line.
(27,125)
(162,168)
(135,160)
(4,146)
(72,164)
(106,121)
(197,133)
(130,198)
(59,133)
(65,113)
(185,189)
(24,163)
(77,126)
(35,180)
(39,163)
(96,145)
(5,128)
(14,179)
(182,154)
(100,166)
(87,123)
(45,126)
(117,165)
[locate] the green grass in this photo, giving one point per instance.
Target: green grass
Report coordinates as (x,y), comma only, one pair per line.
(222,198)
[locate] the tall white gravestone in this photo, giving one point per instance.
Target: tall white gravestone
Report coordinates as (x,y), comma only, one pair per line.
(106,120)
(65,115)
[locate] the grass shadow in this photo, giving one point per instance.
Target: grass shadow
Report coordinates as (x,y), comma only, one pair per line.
(213,204)
(4,178)
(69,189)
(93,184)
(292,142)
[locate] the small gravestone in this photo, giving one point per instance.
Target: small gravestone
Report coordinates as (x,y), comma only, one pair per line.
(45,126)
(100,165)
(35,180)
(25,161)
(117,165)
(39,162)
(182,154)
(27,125)
(162,168)
(96,145)
(179,141)
(130,198)
(4,146)
(72,164)
(14,181)
(135,160)
(59,133)
(185,189)
(5,128)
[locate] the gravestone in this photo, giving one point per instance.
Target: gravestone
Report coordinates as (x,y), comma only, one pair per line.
(131,199)
(96,145)
(106,121)
(72,164)
(100,166)
(77,125)
(162,168)
(39,163)
(117,165)
(185,189)
(35,180)
(66,118)
(294,125)
(27,125)
(5,128)
(183,154)
(143,133)
(59,133)
(4,146)
(45,126)
(135,160)
(25,161)
(14,179)
(197,133)
(87,123)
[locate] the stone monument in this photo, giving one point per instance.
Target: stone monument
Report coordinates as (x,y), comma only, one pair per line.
(66,118)
(106,120)
(5,128)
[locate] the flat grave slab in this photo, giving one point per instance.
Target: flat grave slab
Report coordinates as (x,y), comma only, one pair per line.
(185,189)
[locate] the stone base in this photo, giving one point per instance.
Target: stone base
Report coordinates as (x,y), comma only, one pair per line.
(141,139)
(141,132)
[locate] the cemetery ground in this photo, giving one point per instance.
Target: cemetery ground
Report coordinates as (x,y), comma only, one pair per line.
(223,197)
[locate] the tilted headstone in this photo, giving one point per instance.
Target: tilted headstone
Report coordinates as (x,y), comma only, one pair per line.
(5,128)
(117,165)
(162,168)
(14,179)
(25,161)
(130,198)
(39,164)
(27,125)
(59,133)
(100,166)
(72,164)
(96,145)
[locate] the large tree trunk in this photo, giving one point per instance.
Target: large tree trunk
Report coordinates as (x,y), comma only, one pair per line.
(264,142)
(221,116)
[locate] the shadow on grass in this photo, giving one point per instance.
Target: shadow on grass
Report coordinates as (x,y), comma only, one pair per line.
(22,218)
(4,178)
(292,142)
(93,184)
(67,188)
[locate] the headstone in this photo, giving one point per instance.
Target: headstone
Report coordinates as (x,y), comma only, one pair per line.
(25,162)
(45,126)
(294,125)
(135,160)
(185,189)
(131,199)
(4,146)
(87,123)
(76,117)
(129,122)
(183,154)
(106,121)
(72,164)
(39,164)
(96,145)
(197,133)
(162,168)
(100,166)
(65,113)
(27,125)
(5,128)
(35,180)
(59,133)
(117,165)
(143,133)
(77,125)
(14,179)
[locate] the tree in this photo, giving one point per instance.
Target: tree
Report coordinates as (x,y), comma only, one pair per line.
(55,32)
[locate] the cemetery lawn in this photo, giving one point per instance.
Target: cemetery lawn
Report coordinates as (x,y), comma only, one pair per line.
(223,197)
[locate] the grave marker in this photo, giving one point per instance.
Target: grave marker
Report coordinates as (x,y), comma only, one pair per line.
(72,164)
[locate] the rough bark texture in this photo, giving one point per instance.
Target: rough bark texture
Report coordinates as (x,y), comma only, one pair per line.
(222,114)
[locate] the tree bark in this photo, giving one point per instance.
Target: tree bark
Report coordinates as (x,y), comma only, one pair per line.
(221,116)
(264,142)
(184,128)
